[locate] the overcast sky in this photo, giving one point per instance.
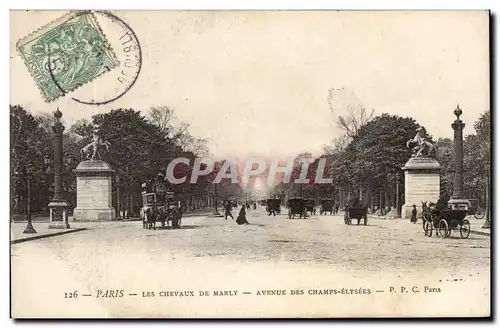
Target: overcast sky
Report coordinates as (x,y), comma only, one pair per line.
(256,83)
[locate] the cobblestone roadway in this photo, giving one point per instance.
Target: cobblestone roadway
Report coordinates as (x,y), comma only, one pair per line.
(271,250)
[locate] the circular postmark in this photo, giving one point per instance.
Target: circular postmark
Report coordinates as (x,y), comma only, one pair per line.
(117,53)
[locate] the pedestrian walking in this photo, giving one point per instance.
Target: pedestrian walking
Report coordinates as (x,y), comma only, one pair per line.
(242,216)
(414,214)
(227,212)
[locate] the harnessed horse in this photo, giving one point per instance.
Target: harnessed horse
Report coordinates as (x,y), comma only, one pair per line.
(149,216)
(420,145)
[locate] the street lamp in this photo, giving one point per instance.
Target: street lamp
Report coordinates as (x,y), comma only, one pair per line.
(29,227)
(216,211)
(118,197)
(398,209)
(346,163)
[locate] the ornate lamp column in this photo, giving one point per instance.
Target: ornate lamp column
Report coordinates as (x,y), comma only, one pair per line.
(458,199)
(58,206)
(458,182)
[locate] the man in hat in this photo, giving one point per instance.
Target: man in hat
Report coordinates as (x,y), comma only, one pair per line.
(228,207)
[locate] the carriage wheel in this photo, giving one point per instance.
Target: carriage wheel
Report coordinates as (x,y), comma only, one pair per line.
(444,230)
(465,229)
(480,213)
(428,228)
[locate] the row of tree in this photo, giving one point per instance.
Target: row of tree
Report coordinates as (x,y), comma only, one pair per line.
(367,159)
(142,146)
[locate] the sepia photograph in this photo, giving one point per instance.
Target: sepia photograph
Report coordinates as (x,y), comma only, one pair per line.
(250,164)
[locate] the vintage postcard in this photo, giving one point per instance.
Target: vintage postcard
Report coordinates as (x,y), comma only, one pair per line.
(250,164)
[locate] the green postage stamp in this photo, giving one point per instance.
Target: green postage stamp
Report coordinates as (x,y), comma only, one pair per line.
(66,54)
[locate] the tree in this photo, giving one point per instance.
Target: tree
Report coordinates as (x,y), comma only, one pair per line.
(376,153)
(477,156)
(445,155)
(354,114)
(337,146)
(31,151)
(139,149)
(164,117)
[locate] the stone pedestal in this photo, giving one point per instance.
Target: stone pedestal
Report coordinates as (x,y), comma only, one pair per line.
(422,184)
(93,192)
(58,214)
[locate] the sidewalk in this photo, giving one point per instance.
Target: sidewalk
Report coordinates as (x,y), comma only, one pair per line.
(42,229)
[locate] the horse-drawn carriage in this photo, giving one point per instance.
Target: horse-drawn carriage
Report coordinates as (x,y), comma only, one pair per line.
(310,206)
(273,206)
(326,206)
(358,213)
(296,206)
(160,207)
(445,220)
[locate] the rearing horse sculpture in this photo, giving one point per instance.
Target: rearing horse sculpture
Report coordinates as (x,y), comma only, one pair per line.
(97,142)
(421,147)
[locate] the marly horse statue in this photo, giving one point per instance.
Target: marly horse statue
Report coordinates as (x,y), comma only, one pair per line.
(421,147)
(91,150)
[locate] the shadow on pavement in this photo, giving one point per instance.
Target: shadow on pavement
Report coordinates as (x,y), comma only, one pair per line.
(183,227)
(192,226)
(362,225)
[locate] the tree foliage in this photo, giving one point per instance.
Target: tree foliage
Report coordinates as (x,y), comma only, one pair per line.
(164,117)
(140,149)
(30,157)
(353,114)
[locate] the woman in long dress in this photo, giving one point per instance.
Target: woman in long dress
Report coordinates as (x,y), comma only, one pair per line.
(241,219)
